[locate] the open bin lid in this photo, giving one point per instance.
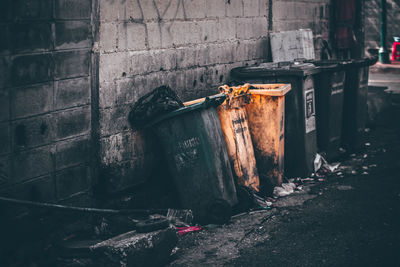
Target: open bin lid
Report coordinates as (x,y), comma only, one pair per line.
(274,69)
(202,103)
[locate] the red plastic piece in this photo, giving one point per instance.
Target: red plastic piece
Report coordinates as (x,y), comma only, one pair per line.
(396,51)
(185,230)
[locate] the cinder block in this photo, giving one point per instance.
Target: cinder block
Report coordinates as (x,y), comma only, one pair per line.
(5,70)
(114,10)
(32,100)
(154,35)
(71,64)
(107,94)
(234,8)
(176,80)
(140,63)
(6,10)
(72,181)
(73,122)
(121,147)
(108,37)
(183,33)
(5,44)
(251,8)
(189,80)
(125,91)
(41,189)
(72,34)
(170,10)
(31,36)
(5,170)
(4,138)
(187,56)
(209,32)
(4,104)
(215,8)
(71,93)
(113,66)
(33,9)
(164,59)
(116,148)
(278,10)
(131,36)
(114,120)
(32,132)
(132,11)
(150,9)
(30,164)
(72,152)
(146,83)
(244,28)
(195,9)
(29,69)
(226,29)
(260,27)
(166,36)
(264,7)
(72,9)
(261,48)
(144,62)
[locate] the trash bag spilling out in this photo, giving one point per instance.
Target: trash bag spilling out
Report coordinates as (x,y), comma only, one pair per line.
(159,101)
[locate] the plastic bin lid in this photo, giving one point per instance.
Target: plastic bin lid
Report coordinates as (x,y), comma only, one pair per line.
(270,89)
(202,103)
(274,69)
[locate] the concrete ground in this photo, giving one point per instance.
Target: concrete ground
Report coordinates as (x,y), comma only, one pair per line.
(351,218)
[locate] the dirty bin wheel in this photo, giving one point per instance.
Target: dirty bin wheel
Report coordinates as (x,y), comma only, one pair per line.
(151,225)
(245,199)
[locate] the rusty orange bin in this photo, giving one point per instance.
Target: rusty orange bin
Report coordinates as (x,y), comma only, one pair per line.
(233,119)
(266,118)
(256,113)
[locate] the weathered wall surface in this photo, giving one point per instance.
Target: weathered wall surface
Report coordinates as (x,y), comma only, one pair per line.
(45,98)
(50,105)
(372,23)
(190,45)
(288,15)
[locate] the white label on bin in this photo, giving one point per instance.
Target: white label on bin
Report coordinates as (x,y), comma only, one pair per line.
(309,110)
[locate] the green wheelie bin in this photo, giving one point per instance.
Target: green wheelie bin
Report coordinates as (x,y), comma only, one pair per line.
(195,151)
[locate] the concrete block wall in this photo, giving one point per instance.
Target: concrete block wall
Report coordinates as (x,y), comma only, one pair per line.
(45,99)
(372,23)
(190,45)
(288,15)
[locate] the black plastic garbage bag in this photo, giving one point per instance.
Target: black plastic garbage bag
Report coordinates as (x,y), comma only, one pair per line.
(159,101)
